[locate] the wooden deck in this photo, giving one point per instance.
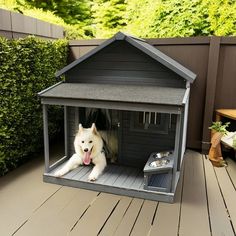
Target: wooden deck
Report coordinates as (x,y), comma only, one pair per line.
(205,205)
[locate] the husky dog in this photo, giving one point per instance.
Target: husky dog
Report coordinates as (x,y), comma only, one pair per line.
(88,146)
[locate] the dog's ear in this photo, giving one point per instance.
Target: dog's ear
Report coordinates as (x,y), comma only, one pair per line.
(94,129)
(81,128)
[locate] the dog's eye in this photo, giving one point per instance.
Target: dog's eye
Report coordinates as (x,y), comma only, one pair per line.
(90,141)
(82,141)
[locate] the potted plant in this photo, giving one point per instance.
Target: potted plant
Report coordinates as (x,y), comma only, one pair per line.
(215,155)
(218,126)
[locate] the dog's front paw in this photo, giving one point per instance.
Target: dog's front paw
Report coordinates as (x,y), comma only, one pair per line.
(58,173)
(92,177)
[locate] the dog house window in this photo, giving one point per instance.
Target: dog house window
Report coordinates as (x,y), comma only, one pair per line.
(151,121)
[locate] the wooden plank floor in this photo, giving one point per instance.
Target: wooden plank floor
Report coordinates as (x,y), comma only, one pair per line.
(116,179)
(204,205)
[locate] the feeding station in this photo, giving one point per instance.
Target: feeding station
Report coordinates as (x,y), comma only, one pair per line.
(147,95)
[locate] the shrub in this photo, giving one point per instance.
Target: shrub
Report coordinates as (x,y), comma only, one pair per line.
(27,67)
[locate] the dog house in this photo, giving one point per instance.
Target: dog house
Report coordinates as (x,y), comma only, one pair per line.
(146,94)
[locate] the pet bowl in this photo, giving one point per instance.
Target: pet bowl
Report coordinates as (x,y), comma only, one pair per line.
(159,163)
(160,155)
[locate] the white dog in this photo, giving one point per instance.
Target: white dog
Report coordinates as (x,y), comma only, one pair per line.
(88,148)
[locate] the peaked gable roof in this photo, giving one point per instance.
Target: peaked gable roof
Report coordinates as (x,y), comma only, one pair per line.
(143,46)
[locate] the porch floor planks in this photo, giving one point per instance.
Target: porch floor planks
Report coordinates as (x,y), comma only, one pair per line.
(194,218)
(219,220)
(27,203)
(228,192)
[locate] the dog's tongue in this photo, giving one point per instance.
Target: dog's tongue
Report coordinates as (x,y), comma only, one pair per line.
(87,158)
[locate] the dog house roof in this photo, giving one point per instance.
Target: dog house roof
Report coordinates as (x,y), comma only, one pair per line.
(118,93)
(124,95)
(143,46)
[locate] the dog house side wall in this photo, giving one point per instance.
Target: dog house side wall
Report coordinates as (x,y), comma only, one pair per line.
(122,63)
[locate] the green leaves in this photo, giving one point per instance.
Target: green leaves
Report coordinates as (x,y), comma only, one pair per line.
(165,18)
(218,126)
(27,67)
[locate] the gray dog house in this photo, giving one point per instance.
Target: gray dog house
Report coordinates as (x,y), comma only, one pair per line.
(147,94)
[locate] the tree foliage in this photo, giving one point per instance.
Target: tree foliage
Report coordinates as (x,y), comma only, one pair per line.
(109,17)
(181,18)
(146,18)
(72,11)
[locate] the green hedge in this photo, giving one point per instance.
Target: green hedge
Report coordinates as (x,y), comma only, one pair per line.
(27,67)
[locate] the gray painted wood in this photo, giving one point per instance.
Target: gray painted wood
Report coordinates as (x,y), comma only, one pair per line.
(118,93)
(177,149)
(112,105)
(134,150)
(46,138)
(66,134)
(164,59)
(116,182)
(131,44)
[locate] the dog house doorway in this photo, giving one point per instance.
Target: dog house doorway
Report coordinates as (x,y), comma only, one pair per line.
(129,137)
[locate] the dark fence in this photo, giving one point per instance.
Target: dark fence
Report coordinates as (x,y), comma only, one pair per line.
(16,25)
(213,59)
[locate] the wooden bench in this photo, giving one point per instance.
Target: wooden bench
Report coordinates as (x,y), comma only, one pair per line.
(231,114)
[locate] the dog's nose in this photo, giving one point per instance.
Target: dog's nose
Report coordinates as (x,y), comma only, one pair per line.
(86,149)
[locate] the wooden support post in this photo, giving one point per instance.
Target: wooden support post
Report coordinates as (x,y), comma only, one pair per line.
(213,62)
(177,150)
(46,138)
(66,131)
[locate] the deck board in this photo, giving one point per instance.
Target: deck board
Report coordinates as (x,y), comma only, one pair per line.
(194,210)
(231,169)
(220,223)
(228,191)
(161,226)
(62,210)
(144,221)
(96,215)
(129,219)
(19,198)
(116,217)
(205,197)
